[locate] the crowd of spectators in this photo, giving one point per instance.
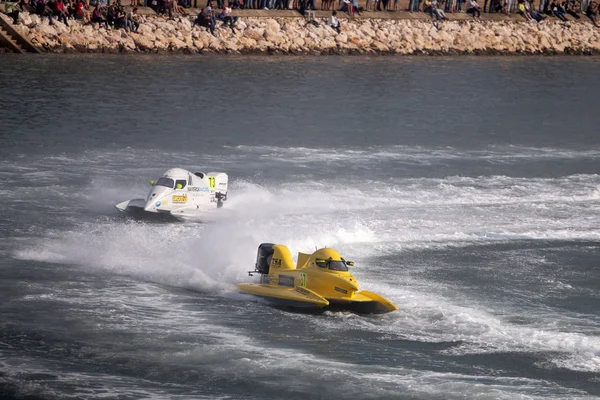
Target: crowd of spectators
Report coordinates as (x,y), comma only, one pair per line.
(112,16)
(557,9)
(446,6)
(437,9)
(208,19)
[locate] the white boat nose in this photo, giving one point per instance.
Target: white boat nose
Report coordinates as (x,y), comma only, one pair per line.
(151,205)
(156,199)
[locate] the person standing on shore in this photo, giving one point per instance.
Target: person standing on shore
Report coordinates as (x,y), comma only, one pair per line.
(111,15)
(334,22)
(227,19)
(436,11)
(473,9)
(59,10)
(207,19)
(13,10)
(42,9)
(570,9)
(592,11)
(132,20)
(558,11)
(120,21)
(80,12)
(97,16)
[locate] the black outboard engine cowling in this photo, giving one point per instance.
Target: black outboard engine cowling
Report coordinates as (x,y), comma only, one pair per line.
(263,257)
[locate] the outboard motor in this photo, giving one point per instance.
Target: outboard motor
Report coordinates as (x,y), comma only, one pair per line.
(263,257)
(219,181)
(220,199)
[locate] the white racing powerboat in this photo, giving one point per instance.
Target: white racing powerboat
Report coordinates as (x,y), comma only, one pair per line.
(181,194)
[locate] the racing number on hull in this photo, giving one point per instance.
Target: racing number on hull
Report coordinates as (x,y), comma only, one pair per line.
(212,182)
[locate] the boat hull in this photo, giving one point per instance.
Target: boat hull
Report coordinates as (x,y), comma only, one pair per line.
(304,299)
(135,209)
(136,212)
(289,297)
(359,307)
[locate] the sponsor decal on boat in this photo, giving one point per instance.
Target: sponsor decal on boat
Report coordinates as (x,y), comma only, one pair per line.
(275,262)
(179,199)
(286,280)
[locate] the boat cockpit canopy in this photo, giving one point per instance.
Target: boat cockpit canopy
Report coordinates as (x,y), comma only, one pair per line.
(166,182)
(180,183)
(171,184)
(334,265)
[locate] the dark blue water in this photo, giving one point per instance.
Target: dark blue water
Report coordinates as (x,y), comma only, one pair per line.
(465,189)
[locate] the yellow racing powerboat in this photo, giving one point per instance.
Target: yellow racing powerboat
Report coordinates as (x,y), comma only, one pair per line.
(320,280)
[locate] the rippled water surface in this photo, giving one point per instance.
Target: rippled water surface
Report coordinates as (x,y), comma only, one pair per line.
(466,190)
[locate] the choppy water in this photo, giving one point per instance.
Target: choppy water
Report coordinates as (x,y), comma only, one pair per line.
(465,189)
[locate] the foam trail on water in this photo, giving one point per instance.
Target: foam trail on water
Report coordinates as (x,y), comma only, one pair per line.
(413,154)
(183,255)
(420,214)
(363,219)
(426,315)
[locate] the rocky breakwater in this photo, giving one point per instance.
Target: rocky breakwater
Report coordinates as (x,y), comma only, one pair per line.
(295,36)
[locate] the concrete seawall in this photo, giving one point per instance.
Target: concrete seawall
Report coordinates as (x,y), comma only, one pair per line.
(293,35)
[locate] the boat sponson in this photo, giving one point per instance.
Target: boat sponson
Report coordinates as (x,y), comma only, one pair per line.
(379,299)
(358,307)
(298,295)
(131,204)
(363,302)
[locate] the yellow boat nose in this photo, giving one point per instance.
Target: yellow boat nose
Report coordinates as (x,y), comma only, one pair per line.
(353,283)
(345,285)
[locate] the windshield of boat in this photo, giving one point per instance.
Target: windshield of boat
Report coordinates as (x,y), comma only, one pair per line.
(180,183)
(167,182)
(337,266)
(334,265)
